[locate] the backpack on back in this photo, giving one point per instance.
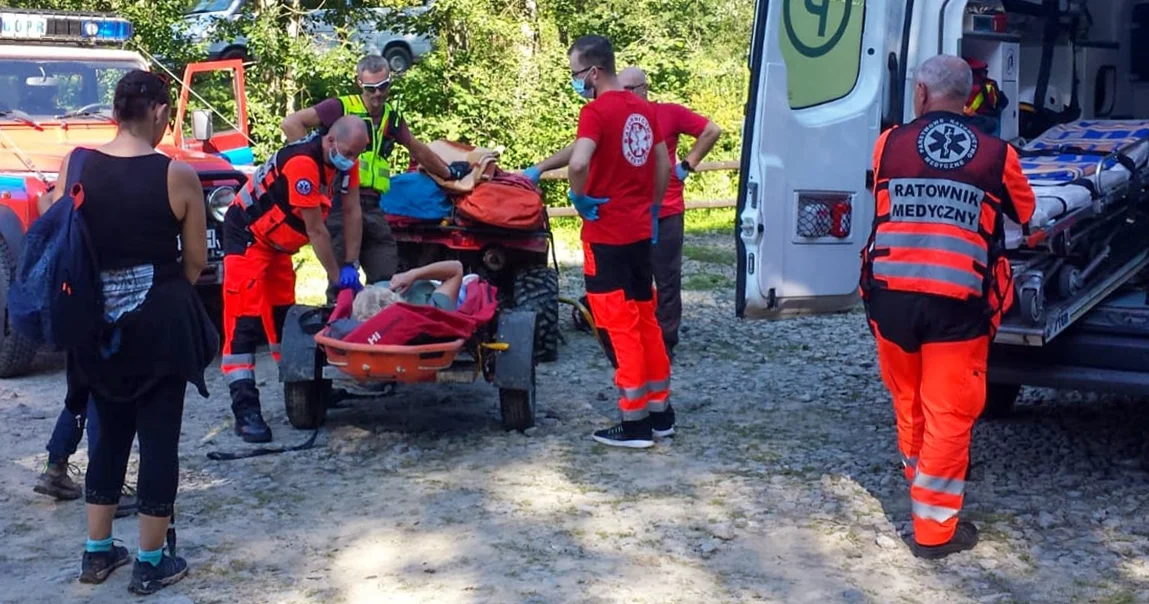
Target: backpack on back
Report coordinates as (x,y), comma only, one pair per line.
(57,296)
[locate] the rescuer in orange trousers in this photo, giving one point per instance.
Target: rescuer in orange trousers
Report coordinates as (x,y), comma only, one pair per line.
(282,208)
(936,282)
(619,170)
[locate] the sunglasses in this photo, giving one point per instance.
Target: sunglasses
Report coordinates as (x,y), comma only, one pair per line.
(582,71)
(634,88)
(377,87)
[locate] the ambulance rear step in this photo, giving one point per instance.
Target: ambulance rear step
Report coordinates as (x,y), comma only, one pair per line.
(1056,318)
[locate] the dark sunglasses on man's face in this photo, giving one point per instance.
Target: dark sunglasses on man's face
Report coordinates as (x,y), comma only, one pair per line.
(634,88)
(377,87)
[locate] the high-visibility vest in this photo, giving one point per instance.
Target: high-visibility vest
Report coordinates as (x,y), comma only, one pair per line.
(374,168)
(984,98)
(938,222)
(266,198)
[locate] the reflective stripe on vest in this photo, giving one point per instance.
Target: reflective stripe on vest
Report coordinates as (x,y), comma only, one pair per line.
(374,168)
(265,199)
(937,211)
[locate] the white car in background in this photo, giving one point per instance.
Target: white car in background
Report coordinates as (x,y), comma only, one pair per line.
(401,50)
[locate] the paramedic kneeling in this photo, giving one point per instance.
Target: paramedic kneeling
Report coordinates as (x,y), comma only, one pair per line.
(281,209)
(618,172)
(936,282)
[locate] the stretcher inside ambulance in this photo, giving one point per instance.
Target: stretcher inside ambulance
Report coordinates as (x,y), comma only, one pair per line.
(827,78)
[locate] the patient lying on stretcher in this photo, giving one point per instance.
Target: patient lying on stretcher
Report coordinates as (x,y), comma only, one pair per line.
(422,305)
(436,285)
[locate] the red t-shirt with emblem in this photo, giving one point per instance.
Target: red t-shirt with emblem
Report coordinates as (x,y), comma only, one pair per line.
(675,120)
(624,130)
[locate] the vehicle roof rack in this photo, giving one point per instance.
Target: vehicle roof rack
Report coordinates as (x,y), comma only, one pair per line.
(62,27)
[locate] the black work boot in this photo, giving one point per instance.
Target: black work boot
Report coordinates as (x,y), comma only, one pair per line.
(630,435)
(965,538)
(249,424)
(662,422)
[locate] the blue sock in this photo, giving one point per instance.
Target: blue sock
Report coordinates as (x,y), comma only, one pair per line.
(152,557)
(103,545)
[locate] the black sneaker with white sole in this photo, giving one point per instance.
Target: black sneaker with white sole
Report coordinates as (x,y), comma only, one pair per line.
(965,538)
(148,579)
(96,566)
(662,423)
(631,435)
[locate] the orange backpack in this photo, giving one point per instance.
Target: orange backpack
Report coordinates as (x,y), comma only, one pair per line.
(503,205)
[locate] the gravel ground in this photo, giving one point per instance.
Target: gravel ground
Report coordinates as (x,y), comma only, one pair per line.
(783,486)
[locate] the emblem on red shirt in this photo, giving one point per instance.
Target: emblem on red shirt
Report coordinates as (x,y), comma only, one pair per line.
(637,139)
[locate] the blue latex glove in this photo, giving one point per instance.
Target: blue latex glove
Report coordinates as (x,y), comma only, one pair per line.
(533,173)
(587,206)
(458,169)
(349,278)
(654,210)
(680,171)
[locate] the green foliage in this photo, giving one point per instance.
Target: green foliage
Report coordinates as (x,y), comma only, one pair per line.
(498,74)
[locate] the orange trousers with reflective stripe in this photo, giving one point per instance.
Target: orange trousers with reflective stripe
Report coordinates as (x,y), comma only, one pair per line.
(933,354)
(258,289)
(619,286)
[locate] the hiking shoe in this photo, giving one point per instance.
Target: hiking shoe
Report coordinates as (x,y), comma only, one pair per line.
(631,435)
(148,579)
(662,423)
(250,426)
(55,482)
(965,537)
(96,566)
(128,503)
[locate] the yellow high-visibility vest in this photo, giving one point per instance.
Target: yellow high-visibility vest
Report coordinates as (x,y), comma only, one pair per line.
(374,168)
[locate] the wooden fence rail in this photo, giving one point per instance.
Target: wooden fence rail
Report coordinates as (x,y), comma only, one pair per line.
(707,166)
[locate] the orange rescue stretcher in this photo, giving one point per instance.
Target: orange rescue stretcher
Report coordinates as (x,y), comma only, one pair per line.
(501,351)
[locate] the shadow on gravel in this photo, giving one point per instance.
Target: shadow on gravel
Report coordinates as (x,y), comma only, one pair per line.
(1058,492)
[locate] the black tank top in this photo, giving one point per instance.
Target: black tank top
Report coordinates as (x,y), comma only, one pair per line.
(127,210)
(159,327)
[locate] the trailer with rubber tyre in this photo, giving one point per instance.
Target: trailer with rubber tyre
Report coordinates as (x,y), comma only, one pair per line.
(501,352)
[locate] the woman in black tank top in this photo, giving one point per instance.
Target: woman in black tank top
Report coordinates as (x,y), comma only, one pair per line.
(137,205)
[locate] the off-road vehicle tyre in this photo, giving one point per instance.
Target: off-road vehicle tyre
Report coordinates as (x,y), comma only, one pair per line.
(518,406)
(306,403)
(537,289)
(16,351)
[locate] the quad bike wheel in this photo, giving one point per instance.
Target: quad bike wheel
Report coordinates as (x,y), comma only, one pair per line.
(518,406)
(306,403)
(537,289)
(16,351)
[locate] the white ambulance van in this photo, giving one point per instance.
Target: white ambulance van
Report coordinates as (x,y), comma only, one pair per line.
(827,76)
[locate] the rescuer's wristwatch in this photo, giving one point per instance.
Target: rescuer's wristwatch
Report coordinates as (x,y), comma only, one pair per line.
(686,166)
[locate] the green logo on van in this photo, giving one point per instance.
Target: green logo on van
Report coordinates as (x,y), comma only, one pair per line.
(807,27)
(821,43)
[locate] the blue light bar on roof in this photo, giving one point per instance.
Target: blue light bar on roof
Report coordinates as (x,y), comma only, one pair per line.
(27,26)
(107,30)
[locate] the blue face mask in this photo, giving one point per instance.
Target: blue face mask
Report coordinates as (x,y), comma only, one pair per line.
(580,87)
(341,163)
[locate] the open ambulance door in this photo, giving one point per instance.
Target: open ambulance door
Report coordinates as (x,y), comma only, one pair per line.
(818,70)
(215,91)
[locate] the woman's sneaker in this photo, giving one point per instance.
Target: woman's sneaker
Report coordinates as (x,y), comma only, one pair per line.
(148,579)
(662,423)
(631,435)
(96,566)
